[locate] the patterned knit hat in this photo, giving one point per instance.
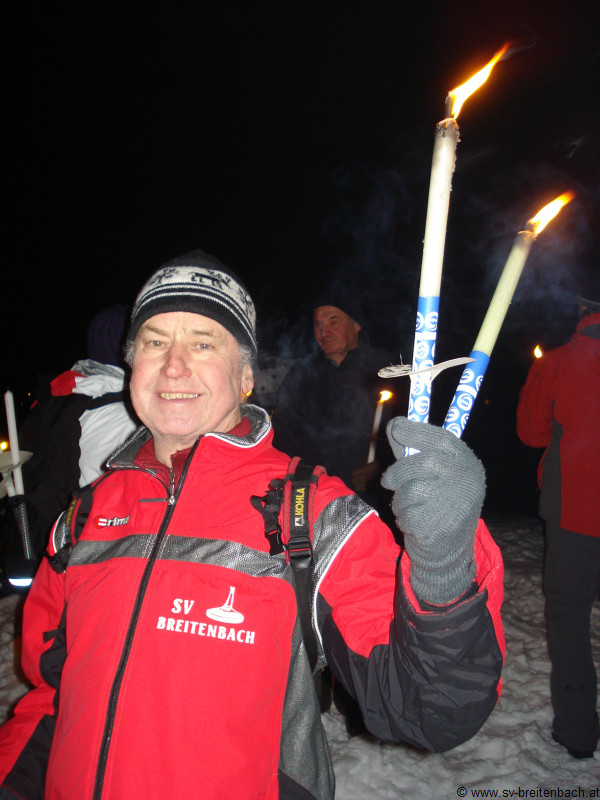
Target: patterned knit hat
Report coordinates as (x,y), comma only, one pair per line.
(198,283)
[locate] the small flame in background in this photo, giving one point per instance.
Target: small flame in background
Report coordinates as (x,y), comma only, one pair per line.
(537,351)
(547,213)
(461,93)
(384,395)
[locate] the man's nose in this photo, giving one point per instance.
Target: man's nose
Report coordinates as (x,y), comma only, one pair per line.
(177,361)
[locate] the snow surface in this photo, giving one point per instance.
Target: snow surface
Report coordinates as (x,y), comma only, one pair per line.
(512,754)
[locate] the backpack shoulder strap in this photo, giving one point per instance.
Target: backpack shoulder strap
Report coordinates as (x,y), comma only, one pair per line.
(288,514)
(298,507)
(299,516)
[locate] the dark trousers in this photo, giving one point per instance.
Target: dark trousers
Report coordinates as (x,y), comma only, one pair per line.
(571,584)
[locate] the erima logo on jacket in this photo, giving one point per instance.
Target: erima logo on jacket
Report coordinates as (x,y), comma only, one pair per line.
(225,614)
(104,522)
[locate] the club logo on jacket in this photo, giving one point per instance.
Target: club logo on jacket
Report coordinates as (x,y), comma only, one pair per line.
(104,522)
(225,613)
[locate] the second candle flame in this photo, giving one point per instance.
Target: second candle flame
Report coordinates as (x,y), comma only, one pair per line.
(548,212)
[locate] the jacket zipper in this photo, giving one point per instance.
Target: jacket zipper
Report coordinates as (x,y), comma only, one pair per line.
(116,687)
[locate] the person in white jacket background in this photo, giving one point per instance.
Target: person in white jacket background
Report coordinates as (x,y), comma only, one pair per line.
(71,433)
(106,426)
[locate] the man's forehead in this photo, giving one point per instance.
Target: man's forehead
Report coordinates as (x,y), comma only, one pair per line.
(328,312)
(185,321)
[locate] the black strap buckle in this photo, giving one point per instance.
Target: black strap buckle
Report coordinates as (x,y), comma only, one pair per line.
(300,551)
(269,507)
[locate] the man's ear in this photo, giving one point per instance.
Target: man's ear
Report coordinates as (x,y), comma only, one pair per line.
(247,379)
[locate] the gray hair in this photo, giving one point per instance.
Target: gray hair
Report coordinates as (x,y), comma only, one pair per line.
(128,351)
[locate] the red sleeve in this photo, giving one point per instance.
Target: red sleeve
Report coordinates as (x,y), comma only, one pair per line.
(534,411)
(25,738)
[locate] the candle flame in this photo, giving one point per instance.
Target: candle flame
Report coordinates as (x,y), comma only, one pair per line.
(383,396)
(547,213)
(537,351)
(461,93)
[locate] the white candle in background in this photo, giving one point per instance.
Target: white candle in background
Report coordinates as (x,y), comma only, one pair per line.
(14,442)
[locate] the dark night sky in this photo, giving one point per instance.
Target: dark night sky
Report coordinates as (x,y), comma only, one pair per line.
(293,140)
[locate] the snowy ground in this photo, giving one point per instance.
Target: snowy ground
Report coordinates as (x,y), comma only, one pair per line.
(511,755)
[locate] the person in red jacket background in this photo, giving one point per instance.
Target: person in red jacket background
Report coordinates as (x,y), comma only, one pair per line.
(559,410)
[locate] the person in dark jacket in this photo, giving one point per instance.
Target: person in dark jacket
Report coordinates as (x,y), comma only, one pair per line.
(163,635)
(325,407)
(325,413)
(559,410)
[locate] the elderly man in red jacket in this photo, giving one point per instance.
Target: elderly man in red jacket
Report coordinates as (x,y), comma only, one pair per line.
(559,410)
(164,634)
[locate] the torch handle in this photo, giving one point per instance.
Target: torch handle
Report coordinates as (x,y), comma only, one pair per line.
(423,358)
(466,392)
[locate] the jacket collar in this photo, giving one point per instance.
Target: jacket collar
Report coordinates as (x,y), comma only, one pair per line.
(590,326)
(125,455)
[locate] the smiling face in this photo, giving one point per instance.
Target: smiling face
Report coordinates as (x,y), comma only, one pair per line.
(186,380)
(335,332)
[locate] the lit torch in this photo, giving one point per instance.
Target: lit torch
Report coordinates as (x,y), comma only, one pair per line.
(537,351)
(472,377)
(14,445)
(15,489)
(383,396)
(442,169)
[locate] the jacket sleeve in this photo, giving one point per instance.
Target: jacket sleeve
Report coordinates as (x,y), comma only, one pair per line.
(26,737)
(429,678)
(534,410)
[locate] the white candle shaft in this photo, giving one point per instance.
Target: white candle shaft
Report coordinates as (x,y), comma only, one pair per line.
(14,441)
(440,184)
(503,295)
(375,432)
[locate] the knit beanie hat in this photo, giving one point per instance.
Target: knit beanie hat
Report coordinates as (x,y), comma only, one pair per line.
(105,335)
(341,296)
(198,283)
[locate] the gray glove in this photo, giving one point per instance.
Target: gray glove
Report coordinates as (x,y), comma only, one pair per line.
(438,494)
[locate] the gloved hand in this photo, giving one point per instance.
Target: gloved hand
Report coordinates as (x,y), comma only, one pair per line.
(438,494)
